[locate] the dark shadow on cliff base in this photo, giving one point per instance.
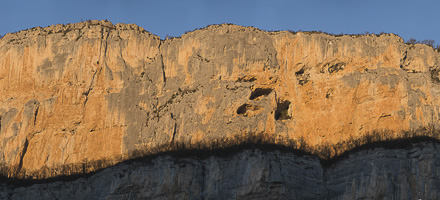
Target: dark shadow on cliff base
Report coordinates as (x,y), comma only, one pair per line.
(327,154)
(401,143)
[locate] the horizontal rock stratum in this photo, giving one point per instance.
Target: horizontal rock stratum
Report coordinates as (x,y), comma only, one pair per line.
(80,97)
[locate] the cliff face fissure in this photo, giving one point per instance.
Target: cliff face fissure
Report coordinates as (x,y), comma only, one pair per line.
(86,93)
(22,154)
(163,70)
(126,93)
(35,115)
(174,129)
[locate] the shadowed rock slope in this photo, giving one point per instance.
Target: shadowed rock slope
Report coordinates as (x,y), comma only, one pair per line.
(377,173)
(80,97)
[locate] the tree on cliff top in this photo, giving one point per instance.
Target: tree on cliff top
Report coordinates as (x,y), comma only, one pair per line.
(427,42)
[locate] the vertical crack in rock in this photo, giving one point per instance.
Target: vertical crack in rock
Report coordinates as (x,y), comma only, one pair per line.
(105,42)
(105,47)
(162,64)
(86,93)
(403,60)
(163,71)
(23,152)
(174,129)
(35,114)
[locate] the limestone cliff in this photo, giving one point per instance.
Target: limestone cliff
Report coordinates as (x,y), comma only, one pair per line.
(79,97)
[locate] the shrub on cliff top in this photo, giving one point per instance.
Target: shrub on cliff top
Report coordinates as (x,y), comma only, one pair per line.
(427,42)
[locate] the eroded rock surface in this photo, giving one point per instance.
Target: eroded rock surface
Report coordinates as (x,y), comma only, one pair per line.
(411,173)
(94,92)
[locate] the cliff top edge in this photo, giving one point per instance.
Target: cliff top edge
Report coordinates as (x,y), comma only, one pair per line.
(122,26)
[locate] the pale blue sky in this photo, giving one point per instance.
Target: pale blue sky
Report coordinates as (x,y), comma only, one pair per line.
(409,19)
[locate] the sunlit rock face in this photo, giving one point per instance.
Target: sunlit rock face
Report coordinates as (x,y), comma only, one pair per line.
(80,97)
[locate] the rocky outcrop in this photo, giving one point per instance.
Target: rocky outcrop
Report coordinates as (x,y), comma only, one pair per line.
(380,173)
(80,97)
